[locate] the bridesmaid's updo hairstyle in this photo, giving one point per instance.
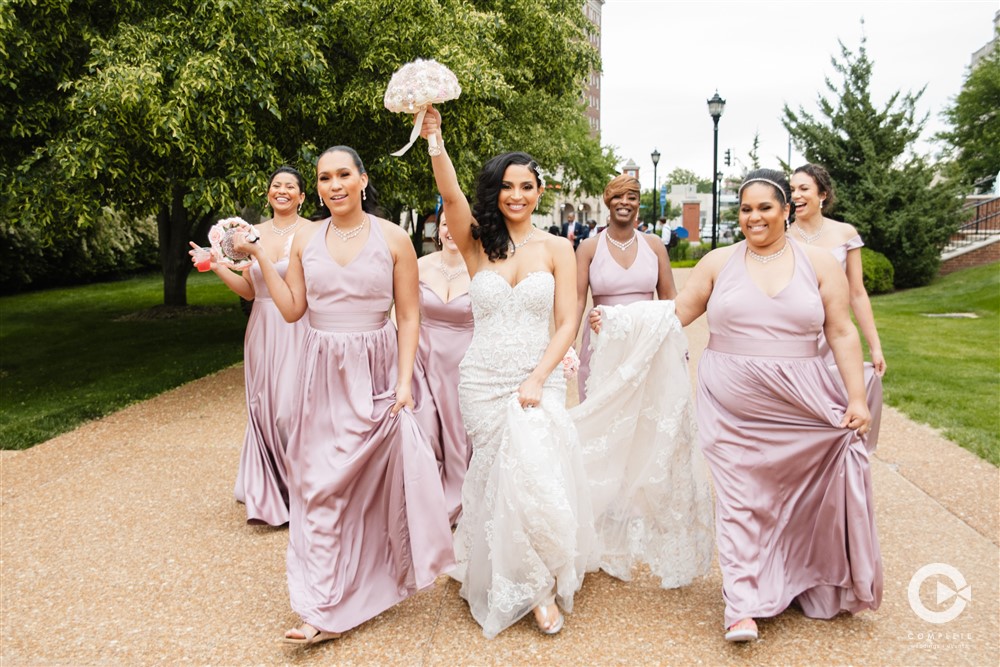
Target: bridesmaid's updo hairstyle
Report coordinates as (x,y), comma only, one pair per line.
(777,182)
(824,184)
(369,203)
(619,186)
(490,228)
(285,169)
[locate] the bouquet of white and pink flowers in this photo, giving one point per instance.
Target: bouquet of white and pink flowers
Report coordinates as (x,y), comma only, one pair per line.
(413,88)
(222,235)
(570,364)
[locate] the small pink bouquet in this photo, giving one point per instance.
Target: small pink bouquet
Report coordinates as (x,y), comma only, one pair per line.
(222,235)
(413,88)
(570,364)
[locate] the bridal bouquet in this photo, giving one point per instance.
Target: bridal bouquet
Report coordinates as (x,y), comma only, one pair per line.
(413,88)
(570,364)
(221,236)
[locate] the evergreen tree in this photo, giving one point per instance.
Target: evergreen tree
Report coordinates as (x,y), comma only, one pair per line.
(884,189)
(975,119)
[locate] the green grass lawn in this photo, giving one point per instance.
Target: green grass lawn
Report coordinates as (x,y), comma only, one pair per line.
(946,371)
(74,354)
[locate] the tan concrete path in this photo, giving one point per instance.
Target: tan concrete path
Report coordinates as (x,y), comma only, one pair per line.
(120,544)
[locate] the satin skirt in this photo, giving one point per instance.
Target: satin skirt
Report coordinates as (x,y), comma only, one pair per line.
(368,522)
(794,507)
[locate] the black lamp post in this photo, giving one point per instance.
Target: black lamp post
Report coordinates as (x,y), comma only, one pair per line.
(655,157)
(715,107)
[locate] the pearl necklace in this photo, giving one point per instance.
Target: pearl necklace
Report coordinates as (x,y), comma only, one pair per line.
(454,273)
(764,259)
(809,238)
(282,231)
(351,233)
(622,246)
(512,247)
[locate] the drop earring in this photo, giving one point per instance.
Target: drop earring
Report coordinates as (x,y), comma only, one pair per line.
(364,195)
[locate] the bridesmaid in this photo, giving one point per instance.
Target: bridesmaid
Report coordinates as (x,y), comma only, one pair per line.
(445,334)
(367,523)
(619,265)
(271,350)
(784,439)
(812,194)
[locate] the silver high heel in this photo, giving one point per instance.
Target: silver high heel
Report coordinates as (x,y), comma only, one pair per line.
(549,628)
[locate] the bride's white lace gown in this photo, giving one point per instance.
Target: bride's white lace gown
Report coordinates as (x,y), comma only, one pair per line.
(649,483)
(526,530)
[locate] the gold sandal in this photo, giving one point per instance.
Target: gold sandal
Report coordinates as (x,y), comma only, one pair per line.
(310,635)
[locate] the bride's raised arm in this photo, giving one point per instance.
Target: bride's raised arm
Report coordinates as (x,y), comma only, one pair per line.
(456,205)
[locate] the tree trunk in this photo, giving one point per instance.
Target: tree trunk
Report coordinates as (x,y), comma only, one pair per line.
(175,229)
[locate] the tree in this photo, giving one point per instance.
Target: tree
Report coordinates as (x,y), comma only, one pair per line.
(974,116)
(682,176)
(180,109)
(752,155)
(646,208)
(885,190)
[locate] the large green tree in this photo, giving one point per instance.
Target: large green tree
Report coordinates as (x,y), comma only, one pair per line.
(974,137)
(179,109)
(681,176)
(885,189)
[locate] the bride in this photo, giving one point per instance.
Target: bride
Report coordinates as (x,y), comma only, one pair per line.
(526,530)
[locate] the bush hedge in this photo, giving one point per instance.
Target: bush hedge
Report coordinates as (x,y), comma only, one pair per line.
(877,271)
(112,248)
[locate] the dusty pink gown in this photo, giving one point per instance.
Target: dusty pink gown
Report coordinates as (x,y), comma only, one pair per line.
(445,334)
(873,383)
(368,524)
(271,350)
(794,507)
(612,285)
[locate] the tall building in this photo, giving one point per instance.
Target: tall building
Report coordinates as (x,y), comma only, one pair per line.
(587,208)
(988,49)
(592,91)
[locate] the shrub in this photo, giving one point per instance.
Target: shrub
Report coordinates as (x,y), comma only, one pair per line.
(878,272)
(699,251)
(113,247)
(681,251)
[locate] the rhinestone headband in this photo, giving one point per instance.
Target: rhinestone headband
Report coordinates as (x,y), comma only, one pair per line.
(765,180)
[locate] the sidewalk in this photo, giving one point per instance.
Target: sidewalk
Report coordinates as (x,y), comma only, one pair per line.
(121,545)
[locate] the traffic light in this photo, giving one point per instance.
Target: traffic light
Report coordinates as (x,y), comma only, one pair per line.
(729,157)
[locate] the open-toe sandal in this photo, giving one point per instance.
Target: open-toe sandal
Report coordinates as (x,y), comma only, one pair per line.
(549,628)
(310,635)
(742,631)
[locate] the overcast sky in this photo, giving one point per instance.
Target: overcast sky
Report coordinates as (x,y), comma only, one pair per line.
(664,58)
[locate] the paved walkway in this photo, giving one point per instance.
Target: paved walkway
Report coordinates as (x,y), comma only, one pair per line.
(121,545)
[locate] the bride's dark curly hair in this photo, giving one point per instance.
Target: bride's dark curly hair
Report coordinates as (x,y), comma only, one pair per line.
(490,228)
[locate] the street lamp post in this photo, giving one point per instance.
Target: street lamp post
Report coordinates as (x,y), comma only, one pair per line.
(716,105)
(655,157)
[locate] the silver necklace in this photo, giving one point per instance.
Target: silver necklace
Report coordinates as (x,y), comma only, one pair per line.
(351,233)
(282,231)
(622,246)
(809,238)
(451,274)
(512,247)
(764,259)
